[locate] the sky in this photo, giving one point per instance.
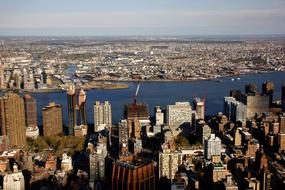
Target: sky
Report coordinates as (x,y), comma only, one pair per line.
(141,17)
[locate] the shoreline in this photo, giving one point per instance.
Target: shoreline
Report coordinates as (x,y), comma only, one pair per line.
(124,83)
(191,80)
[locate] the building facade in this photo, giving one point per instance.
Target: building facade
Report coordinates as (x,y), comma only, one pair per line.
(169,161)
(179,115)
(52,119)
(102,115)
(235,110)
(212,147)
(203,131)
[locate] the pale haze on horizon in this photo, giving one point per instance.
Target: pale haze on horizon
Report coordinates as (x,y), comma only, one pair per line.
(145,17)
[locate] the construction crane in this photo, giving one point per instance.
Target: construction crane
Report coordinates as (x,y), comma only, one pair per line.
(136,94)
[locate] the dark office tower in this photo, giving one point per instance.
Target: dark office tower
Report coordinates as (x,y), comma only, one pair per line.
(82,119)
(283,97)
(52,119)
(71,104)
(133,174)
(12,119)
(267,89)
(30,110)
(250,89)
(236,94)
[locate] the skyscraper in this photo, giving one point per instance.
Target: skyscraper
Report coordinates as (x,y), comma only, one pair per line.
(212,147)
(82,117)
(52,119)
(30,110)
(71,104)
(102,115)
(12,119)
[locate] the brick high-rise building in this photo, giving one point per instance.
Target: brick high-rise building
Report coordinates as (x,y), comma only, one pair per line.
(12,119)
(52,119)
(30,110)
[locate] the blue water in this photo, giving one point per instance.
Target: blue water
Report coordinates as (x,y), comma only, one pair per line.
(164,93)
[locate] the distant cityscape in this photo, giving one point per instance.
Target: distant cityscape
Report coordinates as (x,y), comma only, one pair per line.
(53,64)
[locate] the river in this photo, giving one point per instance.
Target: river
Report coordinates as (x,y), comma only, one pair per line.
(164,93)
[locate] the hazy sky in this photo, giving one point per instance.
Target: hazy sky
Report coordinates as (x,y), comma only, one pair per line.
(141,17)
